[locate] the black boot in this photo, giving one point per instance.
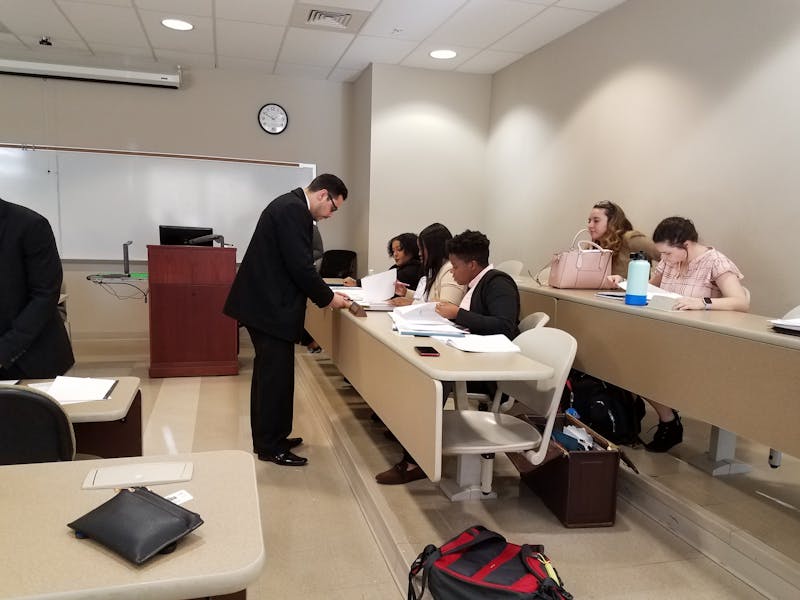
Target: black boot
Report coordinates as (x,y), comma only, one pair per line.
(667,435)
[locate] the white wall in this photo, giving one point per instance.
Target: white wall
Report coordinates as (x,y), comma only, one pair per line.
(684,107)
(214,114)
(428,151)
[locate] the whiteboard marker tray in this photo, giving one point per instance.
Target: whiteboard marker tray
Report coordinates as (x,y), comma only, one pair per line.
(124,476)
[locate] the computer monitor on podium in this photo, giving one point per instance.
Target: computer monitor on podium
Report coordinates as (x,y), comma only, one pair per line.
(176,235)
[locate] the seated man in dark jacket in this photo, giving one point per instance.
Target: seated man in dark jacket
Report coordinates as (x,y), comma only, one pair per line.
(490,306)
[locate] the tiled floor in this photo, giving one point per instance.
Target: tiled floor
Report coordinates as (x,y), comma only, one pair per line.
(324,540)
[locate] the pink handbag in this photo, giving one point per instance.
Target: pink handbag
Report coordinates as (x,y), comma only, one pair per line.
(584,266)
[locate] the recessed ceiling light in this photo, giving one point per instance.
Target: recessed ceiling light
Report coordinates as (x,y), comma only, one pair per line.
(443,54)
(177,24)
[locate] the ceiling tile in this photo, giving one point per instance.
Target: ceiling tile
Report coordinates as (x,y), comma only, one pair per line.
(248,40)
(592,5)
(185,59)
(106,24)
(307,71)
(311,47)
(344,74)
(354,4)
(197,40)
(365,50)
(36,18)
(128,3)
(415,19)
(271,12)
(60,46)
(236,63)
(7,39)
(542,29)
(489,61)
(480,23)
(117,50)
(421,57)
(175,8)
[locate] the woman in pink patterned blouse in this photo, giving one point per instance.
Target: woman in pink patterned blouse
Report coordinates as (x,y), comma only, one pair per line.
(706,279)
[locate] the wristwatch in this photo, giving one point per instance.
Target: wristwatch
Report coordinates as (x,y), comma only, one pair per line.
(706,303)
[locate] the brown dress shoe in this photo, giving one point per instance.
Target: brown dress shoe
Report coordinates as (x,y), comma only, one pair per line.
(400,474)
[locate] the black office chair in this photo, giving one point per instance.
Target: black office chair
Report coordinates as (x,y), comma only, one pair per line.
(338,263)
(33,427)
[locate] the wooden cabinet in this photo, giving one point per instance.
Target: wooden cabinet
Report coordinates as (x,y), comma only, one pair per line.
(189,335)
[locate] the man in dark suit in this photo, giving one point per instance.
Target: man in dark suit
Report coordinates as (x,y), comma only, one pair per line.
(33,340)
(269,295)
(490,306)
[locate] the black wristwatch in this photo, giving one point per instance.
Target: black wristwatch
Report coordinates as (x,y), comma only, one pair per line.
(706,303)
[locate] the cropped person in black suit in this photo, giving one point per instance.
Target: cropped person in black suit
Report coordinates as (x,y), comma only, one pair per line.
(33,340)
(269,295)
(490,306)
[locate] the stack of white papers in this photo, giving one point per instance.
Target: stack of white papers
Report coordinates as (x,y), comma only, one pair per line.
(483,343)
(374,292)
(788,324)
(69,390)
(422,319)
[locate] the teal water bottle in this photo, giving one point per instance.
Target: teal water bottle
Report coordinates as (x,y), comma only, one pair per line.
(638,278)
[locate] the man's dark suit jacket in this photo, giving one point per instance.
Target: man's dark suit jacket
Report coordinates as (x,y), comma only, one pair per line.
(277,274)
(494,307)
(32,332)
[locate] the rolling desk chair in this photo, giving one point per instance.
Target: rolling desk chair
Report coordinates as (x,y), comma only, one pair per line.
(338,264)
(33,427)
(512,267)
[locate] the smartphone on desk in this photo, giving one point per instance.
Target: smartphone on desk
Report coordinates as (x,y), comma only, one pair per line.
(426,350)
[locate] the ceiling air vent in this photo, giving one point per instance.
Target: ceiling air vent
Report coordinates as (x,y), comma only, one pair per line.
(327,18)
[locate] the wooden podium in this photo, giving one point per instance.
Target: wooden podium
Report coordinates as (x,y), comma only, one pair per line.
(189,335)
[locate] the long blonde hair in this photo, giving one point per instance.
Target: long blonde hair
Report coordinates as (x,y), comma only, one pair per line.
(618,226)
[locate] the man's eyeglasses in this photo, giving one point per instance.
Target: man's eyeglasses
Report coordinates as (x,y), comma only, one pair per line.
(334,208)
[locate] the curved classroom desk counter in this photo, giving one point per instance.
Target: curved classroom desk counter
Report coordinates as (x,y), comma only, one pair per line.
(722,367)
(405,389)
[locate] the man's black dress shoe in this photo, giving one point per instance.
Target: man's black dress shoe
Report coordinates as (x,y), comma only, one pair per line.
(285,458)
(293,442)
(288,443)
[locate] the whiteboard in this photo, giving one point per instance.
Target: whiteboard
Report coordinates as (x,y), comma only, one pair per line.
(96,201)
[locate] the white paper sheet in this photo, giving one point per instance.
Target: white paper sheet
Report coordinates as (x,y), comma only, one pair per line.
(652,290)
(9,381)
(68,390)
(793,324)
(483,343)
(379,287)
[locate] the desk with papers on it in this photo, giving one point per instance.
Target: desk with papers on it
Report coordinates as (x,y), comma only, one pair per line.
(730,369)
(110,427)
(405,389)
(110,281)
(42,558)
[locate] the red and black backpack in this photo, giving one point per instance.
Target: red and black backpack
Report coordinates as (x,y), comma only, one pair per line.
(481,564)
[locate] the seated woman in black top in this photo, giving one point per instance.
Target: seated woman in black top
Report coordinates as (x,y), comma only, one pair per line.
(404,250)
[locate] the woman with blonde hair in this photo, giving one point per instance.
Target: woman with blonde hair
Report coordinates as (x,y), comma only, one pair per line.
(611,229)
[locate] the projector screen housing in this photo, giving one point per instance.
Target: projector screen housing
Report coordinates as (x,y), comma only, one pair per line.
(170,79)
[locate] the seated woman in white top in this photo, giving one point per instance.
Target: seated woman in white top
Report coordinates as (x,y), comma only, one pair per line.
(437,283)
(706,279)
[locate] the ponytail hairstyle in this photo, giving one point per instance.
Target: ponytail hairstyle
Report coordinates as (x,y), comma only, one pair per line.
(675,231)
(618,226)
